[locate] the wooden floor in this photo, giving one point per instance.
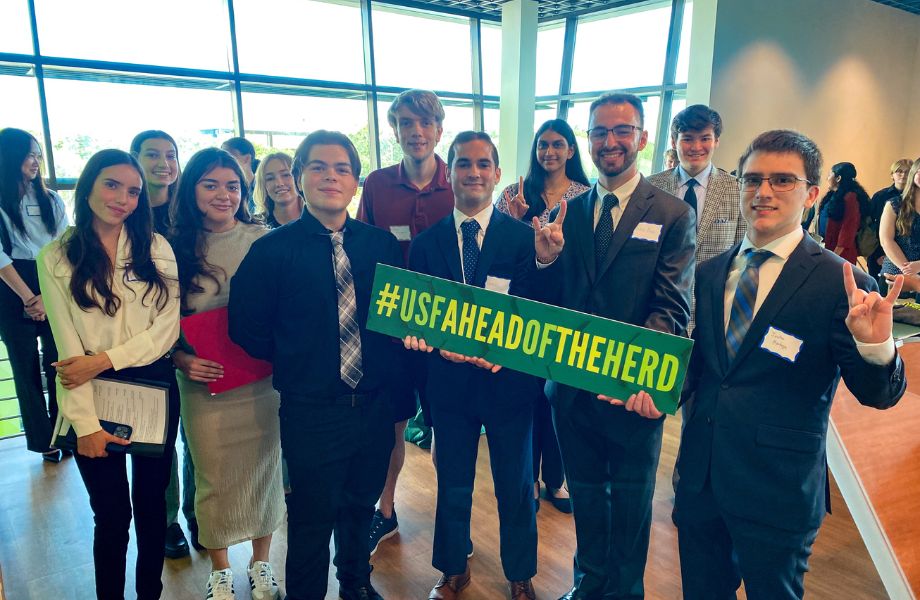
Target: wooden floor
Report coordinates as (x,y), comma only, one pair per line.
(46,540)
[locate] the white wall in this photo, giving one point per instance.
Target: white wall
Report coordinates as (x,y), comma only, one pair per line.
(844,72)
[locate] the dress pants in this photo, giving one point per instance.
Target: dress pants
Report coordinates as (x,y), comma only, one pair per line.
(546,453)
(611,458)
(113,503)
(509,432)
(337,456)
(19,334)
(718,550)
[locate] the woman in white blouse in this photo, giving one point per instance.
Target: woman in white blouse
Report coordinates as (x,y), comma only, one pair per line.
(111,294)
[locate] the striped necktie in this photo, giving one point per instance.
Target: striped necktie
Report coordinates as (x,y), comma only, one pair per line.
(742,312)
(349,332)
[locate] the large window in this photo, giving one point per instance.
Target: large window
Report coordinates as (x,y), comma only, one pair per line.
(15,31)
(550,40)
(683,57)
(21,108)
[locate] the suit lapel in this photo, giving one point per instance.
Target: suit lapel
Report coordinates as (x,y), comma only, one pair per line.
(447,240)
(709,208)
(638,205)
(582,229)
(795,272)
(490,244)
(675,181)
(717,298)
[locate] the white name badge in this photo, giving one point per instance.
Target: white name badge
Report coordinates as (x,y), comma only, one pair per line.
(782,344)
(647,232)
(33,210)
(402,232)
(497,284)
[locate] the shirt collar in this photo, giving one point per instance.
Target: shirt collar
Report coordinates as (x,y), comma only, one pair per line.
(781,247)
(314,227)
(482,217)
(438,182)
(702,178)
(623,193)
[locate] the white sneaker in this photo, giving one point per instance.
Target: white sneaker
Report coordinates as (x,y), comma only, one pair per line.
(220,585)
(262,581)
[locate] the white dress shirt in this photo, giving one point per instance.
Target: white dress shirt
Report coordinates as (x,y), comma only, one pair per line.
(138,334)
(623,194)
(702,179)
(880,354)
(482,217)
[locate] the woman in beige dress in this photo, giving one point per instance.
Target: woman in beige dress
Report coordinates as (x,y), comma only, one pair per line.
(233,436)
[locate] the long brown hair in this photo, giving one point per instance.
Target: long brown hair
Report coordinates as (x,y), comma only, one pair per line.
(905,220)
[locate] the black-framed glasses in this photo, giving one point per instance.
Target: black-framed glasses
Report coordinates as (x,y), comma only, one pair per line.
(620,132)
(779,183)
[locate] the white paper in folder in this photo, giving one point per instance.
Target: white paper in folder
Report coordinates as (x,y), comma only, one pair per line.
(143,407)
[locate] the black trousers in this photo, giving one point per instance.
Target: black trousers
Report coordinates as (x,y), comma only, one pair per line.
(337,456)
(113,503)
(546,453)
(610,458)
(718,550)
(19,334)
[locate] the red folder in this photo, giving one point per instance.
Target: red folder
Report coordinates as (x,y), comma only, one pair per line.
(208,334)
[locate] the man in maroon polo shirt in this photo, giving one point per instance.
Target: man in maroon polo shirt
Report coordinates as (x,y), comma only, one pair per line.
(405,199)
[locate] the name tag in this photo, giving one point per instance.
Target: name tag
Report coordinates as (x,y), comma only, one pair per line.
(33,210)
(781,344)
(497,284)
(647,232)
(402,232)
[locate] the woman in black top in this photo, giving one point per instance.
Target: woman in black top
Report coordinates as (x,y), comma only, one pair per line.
(158,154)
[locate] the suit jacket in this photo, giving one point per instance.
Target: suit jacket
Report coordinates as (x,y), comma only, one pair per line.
(640,282)
(757,426)
(507,252)
(721,225)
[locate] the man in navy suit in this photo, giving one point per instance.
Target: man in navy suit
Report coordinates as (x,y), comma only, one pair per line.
(628,255)
(479,246)
(778,319)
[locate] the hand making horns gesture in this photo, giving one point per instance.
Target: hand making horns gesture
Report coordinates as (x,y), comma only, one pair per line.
(869,319)
(518,205)
(548,239)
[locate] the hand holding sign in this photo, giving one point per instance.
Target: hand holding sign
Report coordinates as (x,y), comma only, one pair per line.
(869,319)
(412,342)
(548,240)
(518,206)
(640,403)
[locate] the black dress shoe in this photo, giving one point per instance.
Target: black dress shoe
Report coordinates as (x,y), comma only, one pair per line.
(52,456)
(574,594)
(359,592)
(176,544)
(193,535)
(563,505)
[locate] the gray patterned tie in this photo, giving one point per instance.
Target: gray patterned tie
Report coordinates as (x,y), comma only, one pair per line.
(349,333)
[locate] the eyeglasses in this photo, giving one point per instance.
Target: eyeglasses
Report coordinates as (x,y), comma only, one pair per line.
(779,183)
(620,132)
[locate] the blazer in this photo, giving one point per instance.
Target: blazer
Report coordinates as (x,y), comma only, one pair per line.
(507,252)
(645,283)
(721,225)
(757,427)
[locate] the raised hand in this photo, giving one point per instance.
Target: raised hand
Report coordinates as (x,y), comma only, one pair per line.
(869,319)
(548,240)
(518,206)
(640,403)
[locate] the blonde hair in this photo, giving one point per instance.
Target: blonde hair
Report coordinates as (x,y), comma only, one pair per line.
(901,163)
(265,206)
(905,220)
(421,102)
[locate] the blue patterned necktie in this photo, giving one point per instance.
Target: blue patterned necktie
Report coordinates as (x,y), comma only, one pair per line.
(349,332)
(742,312)
(470,228)
(690,195)
(603,233)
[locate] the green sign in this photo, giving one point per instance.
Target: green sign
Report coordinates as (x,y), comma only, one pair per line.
(584,351)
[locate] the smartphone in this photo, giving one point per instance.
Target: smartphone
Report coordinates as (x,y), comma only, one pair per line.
(119,430)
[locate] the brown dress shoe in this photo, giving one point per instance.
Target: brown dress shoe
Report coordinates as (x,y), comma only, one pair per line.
(450,586)
(522,590)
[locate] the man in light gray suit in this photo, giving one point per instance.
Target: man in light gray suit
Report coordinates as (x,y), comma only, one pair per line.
(712,192)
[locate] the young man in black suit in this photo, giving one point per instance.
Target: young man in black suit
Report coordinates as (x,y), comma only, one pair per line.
(628,255)
(479,246)
(778,319)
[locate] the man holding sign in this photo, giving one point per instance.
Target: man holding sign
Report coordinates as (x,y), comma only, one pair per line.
(481,247)
(777,319)
(628,257)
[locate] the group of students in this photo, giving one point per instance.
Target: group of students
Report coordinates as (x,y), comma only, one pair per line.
(751,473)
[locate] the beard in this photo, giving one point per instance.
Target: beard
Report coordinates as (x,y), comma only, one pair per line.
(613,169)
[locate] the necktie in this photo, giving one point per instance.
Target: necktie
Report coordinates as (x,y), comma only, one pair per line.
(349,333)
(470,228)
(604,230)
(742,312)
(690,195)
